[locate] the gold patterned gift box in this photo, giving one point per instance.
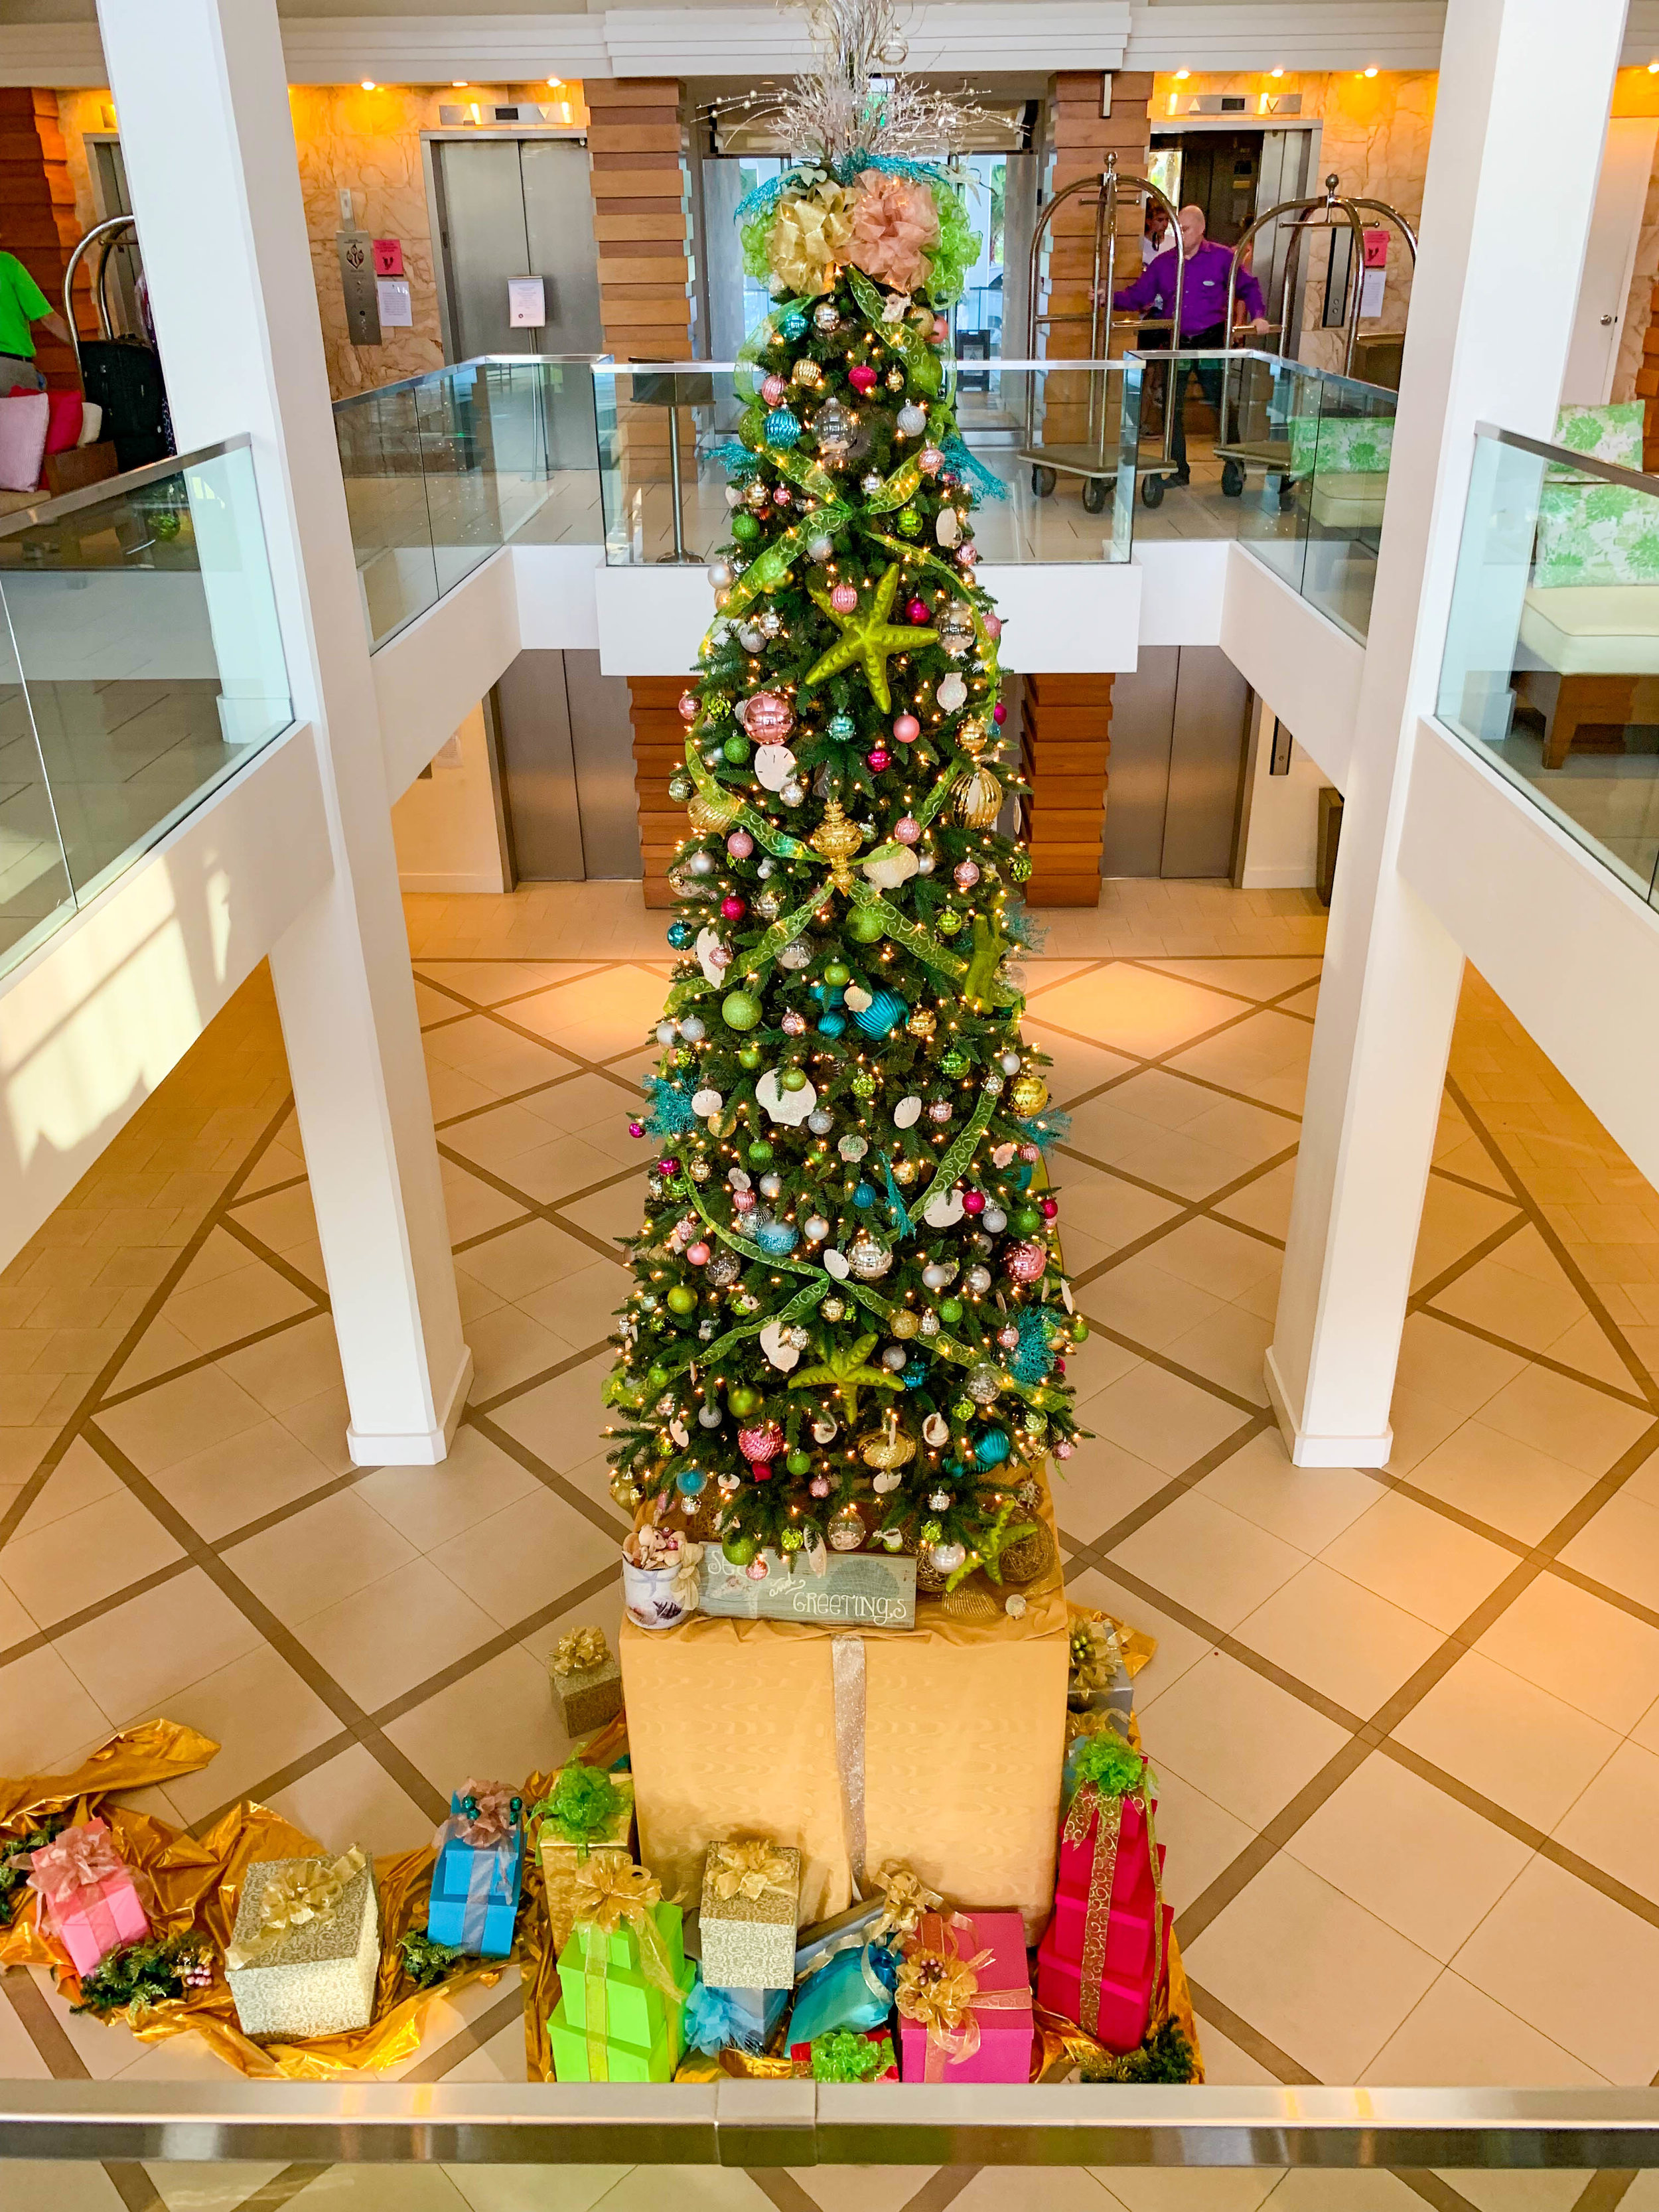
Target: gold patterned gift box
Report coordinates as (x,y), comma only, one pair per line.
(751,1909)
(306,1949)
(586,1812)
(586,1675)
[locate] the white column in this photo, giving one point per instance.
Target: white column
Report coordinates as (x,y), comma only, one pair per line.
(1520,119)
(202,100)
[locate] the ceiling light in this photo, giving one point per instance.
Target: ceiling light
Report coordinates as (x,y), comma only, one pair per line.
(457,84)
(1275,72)
(1653,68)
(1181,76)
(369,84)
(555,84)
(1371,71)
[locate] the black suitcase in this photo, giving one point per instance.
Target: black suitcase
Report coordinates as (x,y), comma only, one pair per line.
(124,377)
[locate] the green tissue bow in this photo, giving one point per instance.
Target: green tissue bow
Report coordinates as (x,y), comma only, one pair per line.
(581,1805)
(844,2055)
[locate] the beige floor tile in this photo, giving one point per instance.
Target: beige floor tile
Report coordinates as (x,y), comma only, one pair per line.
(134,1657)
(487,983)
(490,1053)
(1193,2189)
(1251,1132)
(1615,1824)
(1269,1044)
(159,1349)
(1455,1221)
(1135,1011)
(1098,1485)
(1419,1423)
(262,1716)
(178,1418)
(1501,1481)
(1141,1300)
(588,1104)
(525,2188)
(320,1423)
(351,1799)
(1161,1418)
(494,1139)
(1178,1646)
(1519,2190)
(995,2189)
(1452,1367)
(1264,1203)
(1222,1261)
(526,1259)
(1202,1839)
(288,1368)
(1411,1854)
(1458,2037)
(283,1221)
(1338,1638)
(318,1556)
(380,2189)
(1228,1349)
(384,1638)
(1574,1965)
(220,1255)
(1074,1066)
(1591,1654)
(610,1213)
(1166,1100)
(1242,977)
(17,1625)
(45,1714)
(1620,1547)
(1585,1346)
(602,1609)
(66,2188)
(472,1206)
(499,1720)
(580,1306)
(523,1558)
(1513,1303)
(1226,2066)
(1241,1740)
(1555,1415)
(430,1504)
(1209,1559)
(259,1472)
(508,1348)
(560,1420)
(80,1478)
(1307,1507)
(1306,2190)
(1418,1560)
(1098,1361)
(1321,1977)
(1485,1725)
(73,1563)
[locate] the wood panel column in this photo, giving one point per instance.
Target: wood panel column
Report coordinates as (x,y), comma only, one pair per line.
(1067,720)
(635,142)
(1083,137)
(659,750)
(38,220)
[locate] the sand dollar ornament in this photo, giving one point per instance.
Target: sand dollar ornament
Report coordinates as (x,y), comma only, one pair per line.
(906,1113)
(789,1107)
(943,1210)
(774,1342)
(775,766)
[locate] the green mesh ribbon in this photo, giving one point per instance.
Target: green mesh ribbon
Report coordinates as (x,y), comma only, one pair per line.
(904,484)
(1110,1764)
(962,1149)
(581,1807)
(845,2055)
(920,360)
(778,842)
(926,948)
(801,469)
(775,564)
(955,250)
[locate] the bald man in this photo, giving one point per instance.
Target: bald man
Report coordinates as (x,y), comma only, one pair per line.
(1203,312)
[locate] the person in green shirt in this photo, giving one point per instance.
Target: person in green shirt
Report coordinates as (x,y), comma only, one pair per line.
(22,304)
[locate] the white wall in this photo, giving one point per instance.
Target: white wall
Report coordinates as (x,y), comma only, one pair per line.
(445,825)
(1306,669)
(1281,836)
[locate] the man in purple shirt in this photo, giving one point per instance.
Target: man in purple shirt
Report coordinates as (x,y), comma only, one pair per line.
(1203,313)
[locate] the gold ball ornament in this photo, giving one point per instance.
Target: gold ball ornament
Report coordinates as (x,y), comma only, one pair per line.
(922,1022)
(1029,1094)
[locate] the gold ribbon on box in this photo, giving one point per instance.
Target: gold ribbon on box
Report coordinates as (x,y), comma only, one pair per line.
(308,1892)
(1098,1805)
(939,1988)
(1096,1657)
(612,1894)
(750,1870)
(581,1647)
(907,1897)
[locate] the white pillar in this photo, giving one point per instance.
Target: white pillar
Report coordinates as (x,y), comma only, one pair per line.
(202,100)
(1520,119)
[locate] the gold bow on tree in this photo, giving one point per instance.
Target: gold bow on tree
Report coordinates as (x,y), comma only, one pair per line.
(749,1870)
(905,1896)
(581,1647)
(308,1892)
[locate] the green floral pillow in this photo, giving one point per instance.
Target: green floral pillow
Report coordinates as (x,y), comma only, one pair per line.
(1602,434)
(1596,533)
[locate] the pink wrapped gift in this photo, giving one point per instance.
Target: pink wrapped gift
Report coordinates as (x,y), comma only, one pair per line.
(89,1898)
(1103,1958)
(964,2000)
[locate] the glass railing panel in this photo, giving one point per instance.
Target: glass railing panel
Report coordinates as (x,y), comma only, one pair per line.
(144,628)
(1551,662)
(1344,497)
(1268,462)
(1044,440)
(379,436)
(34,882)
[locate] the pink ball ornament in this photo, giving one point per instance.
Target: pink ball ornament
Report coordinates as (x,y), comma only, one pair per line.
(1049,1209)
(917,610)
(862,378)
(973,1201)
(966,555)
(774,390)
(758,1571)
(636,1128)
(967,874)
(767,718)
(688,708)
(1030,1152)
(941,329)
(782,495)
(879,759)
(697,1254)
(819,1485)
(930,460)
(761,1443)
(843,598)
(732,907)
(907,829)
(1026,1261)
(993,625)
(794,1025)
(1063,1449)
(1007,1338)
(906,728)
(999,713)
(744,1200)
(740,844)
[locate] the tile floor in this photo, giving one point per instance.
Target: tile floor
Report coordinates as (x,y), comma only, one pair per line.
(1406,1722)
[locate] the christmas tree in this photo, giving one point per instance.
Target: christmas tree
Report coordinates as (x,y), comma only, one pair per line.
(849,1319)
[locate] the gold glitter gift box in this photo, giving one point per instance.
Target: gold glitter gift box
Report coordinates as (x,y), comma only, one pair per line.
(586,1677)
(751,1909)
(306,1949)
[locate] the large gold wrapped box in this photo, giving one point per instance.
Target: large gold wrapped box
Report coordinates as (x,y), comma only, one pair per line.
(940,1746)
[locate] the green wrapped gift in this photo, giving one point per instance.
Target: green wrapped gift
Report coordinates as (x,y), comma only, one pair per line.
(631,1991)
(623,1978)
(586,1811)
(575,2056)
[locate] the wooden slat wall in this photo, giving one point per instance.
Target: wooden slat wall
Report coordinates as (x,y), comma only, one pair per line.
(1066,745)
(1083,137)
(641,218)
(37,214)
(659,750)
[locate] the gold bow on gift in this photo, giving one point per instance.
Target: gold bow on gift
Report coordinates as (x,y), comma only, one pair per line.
(1095,1658)
(905,1896)
(939,1988)
(307,1893)
(749,1870)
(583,1647)
(609,1892)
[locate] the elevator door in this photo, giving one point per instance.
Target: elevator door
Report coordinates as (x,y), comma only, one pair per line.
(1176,766)
(516,207)
(567,751)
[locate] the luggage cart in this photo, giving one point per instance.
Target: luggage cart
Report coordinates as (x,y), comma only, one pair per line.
(1275,456)
(1089,458)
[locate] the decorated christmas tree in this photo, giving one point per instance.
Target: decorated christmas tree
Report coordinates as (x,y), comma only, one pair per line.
(849,1320)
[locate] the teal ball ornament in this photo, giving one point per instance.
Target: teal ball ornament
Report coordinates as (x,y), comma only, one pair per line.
(680,934)
(832,1023)
(776,1238)
(782,430)
(865,1195)
(793,325)
(843,729)
(740,1010)
(993,1448)
(690,1482)
(885,1011)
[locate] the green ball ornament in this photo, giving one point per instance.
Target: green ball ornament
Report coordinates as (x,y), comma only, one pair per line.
(740,1010)
(836,971)
(744,527)
(798,1462)
(863,928)
(931,1531)
(681,1299)
(656,1378)
(793,1078)
(949,1312)
(736,750)
(1019,867)
(791,1540)
(963,1410)
(949,921)
(749,1055)
(743,1399)
(740,1550)
(1025,1220)
(953,1062)
(910,521)
(864,1084)
(760,1151)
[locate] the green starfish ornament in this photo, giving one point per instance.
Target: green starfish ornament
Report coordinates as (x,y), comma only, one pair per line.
(846,1368)
(867,636)
(990,944)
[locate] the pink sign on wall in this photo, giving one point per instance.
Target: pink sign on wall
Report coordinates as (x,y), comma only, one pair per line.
(389,256)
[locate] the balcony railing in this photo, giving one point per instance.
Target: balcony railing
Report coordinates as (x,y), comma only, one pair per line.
(141,663)
(1551,663)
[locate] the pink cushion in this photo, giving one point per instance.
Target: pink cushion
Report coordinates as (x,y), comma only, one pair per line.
(23,420)
(64,421)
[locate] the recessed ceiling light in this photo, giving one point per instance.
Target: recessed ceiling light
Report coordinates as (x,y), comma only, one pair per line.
(369,84)
(457,84)
(1653,68)
(1181,76)
(1275,72)
(1371,72)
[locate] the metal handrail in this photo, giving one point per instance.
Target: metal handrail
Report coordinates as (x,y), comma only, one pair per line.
(480,361)
(72,502)
(800,2123)
(1581,464)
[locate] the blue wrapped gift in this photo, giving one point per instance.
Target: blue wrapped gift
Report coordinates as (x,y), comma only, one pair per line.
(854,1989)
(475,1884)
(722,2020)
